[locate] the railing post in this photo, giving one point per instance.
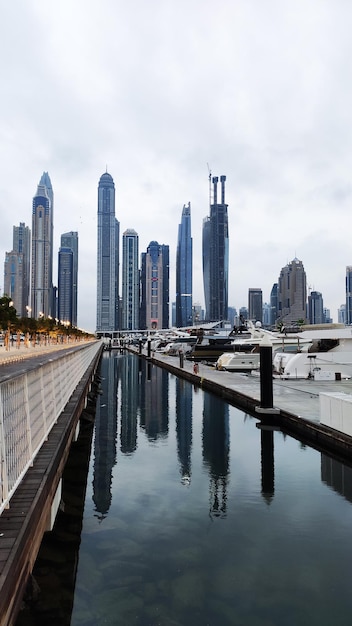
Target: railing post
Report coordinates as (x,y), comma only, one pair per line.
(4,483)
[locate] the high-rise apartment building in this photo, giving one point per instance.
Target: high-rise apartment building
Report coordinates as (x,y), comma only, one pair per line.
(316,308)
(108,257)
(292,292)
(154,311)
(273,305)
(17,269)
(65,281)
(42,249)
(216,255)
(341,314)
(130,280)
(255,304)
(184,270)
(69,241)
(349,294)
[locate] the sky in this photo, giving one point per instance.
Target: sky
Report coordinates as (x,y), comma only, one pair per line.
(161,92)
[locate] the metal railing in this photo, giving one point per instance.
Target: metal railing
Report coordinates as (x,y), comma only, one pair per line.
(30,405)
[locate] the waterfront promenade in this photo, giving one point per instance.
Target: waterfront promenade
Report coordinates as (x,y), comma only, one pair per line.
(53,373)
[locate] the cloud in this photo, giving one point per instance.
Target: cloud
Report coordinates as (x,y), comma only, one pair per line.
(157,91)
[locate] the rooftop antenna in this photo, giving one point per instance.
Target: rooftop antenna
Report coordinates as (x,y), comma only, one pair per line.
(209,171)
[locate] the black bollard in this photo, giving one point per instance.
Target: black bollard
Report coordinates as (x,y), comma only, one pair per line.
(266,374)
(149,348)
(181,355)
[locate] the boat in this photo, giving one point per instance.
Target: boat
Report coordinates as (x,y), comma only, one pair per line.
(325,355)
(211,348)
(238,361)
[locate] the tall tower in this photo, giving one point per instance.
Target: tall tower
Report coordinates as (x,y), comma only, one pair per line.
(273,304)
(292,292)
(42,249)
(184,270)
(316,308)
(17,269)
(65,281)
(130,280)
(154,312)
(70,240)
(349,294)
(108,257)
(255,304)
(216,255)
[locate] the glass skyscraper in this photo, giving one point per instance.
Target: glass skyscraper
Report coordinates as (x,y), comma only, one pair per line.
(65,285)
(184,270)
(349,294)
(42,300)
(130,280)
(108,258)
(69,241)
(17,269)
(216,256)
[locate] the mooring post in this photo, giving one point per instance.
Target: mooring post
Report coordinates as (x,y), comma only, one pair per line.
(266,373)
(149,343)
(266,377)
(181,356)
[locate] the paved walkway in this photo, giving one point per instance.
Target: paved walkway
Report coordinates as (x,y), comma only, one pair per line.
(17,353)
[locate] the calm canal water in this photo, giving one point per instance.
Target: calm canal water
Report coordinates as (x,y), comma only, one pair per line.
(194,516)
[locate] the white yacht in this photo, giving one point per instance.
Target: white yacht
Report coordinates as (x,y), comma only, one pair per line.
(324,355)
(238,361)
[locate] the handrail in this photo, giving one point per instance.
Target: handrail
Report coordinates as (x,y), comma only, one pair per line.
(30,405)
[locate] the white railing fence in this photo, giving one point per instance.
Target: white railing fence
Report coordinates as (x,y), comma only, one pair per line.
(30,405)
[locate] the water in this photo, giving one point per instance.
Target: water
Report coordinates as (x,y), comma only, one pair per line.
(194,516)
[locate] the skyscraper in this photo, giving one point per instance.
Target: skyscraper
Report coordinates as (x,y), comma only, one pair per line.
(349,294)
(273,304)
(70,240)
(184,270)
(315,308)
(292,292)
(65,282)
(154,311)
(130,280)
(42,249)
(17,269)
(255,304)
(108,257)
(216,256)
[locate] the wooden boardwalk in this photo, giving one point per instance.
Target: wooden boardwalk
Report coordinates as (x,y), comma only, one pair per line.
(22,526)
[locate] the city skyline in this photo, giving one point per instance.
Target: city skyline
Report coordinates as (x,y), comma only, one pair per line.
(293,300)
(261,91)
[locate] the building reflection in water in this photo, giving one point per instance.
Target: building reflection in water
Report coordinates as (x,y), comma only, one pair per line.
(154,401)
(267,462)
(184,428)
(337,475)
(129,404)
(105,435)
(216,448)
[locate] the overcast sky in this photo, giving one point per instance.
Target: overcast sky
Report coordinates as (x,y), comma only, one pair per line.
(157,91)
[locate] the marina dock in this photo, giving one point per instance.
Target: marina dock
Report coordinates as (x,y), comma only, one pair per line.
(296,402)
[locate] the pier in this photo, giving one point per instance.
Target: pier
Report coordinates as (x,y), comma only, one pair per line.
(296,403)
(42,395)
